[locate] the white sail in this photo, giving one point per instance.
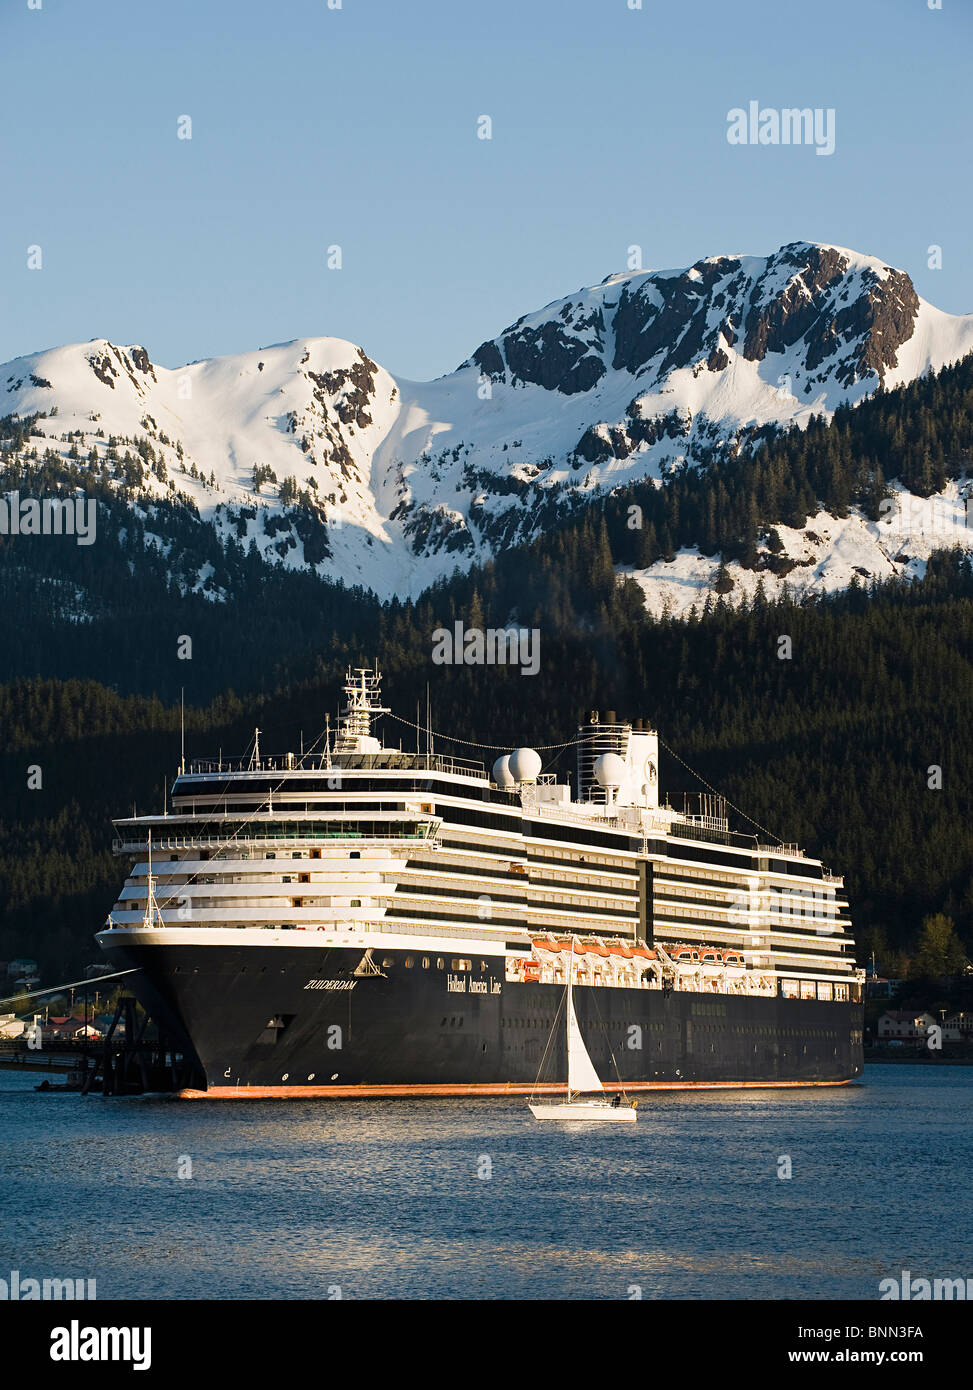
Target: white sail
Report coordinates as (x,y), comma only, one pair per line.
(581,1072)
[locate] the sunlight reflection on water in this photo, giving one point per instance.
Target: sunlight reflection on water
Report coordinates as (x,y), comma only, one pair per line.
(383,1198)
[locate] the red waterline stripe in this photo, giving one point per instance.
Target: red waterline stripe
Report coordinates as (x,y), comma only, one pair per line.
(474,1089)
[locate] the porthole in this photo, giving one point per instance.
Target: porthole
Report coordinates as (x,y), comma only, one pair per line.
(440,963)
(311,1075)
(409,962)
(387,961)
(285,1076)
(425,962)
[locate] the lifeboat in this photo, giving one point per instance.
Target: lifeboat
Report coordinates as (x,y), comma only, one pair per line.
(686,956)
(596,948)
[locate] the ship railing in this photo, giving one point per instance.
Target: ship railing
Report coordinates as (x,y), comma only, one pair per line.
(650,822)
(693,828)
(720,823)
(386,760)
(556,811)
(124,846)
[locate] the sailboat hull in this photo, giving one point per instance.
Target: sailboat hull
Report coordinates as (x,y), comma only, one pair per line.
(598,1112)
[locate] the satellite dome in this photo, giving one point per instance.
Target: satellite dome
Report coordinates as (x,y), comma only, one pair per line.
(525,765)
(501,772)
(609,770)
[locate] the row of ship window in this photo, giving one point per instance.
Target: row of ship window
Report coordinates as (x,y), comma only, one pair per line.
(459,964)
(541,852)
(456,1021)
(210,857)
(554,879)
(575,901)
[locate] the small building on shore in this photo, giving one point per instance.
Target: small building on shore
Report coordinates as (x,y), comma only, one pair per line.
(958,1027)
(904,1025)
(71,1030)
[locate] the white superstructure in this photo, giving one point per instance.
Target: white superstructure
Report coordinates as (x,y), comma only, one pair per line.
(361,843)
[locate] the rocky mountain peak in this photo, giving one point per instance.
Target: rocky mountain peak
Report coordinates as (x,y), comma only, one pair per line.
(317,456)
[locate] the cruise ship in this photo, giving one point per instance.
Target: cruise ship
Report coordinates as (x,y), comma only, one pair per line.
(366,921)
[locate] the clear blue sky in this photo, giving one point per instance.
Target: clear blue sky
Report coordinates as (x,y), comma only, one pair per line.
(358,127)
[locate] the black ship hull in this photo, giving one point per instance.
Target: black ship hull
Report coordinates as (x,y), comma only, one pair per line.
(281,1021)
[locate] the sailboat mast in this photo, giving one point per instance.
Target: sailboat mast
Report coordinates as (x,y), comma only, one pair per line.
(149,891)
(567,1016)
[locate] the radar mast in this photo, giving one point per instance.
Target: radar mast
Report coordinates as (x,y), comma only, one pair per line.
(363,703)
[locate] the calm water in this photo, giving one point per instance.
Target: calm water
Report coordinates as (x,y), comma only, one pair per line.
(384,1200)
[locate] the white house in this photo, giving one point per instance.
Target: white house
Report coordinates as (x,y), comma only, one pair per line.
(909,1027)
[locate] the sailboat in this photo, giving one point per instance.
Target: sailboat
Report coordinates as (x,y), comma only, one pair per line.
(582,1079)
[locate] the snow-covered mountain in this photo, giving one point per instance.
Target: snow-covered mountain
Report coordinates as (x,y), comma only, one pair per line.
(389,483)
(827,555)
